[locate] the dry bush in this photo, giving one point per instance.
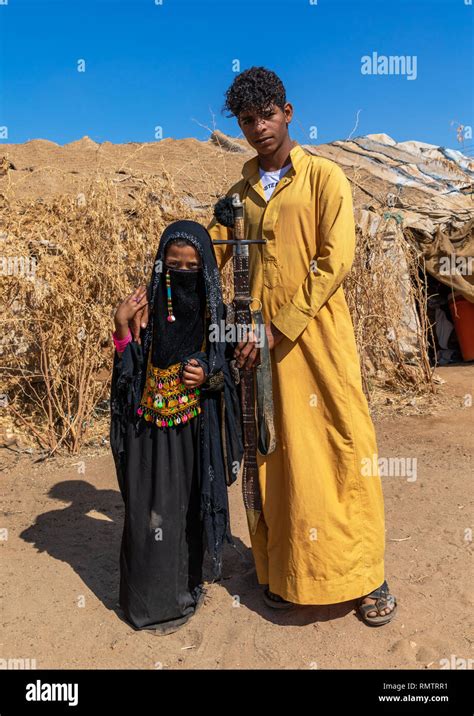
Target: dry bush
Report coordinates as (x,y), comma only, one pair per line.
(56,347)
(384,290)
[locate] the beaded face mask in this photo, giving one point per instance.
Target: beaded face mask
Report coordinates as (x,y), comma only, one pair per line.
(185,280)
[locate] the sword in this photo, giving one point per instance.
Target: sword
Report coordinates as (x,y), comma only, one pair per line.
(229,211)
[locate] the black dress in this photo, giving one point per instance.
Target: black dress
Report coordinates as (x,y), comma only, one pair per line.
(174,480)
(162,544)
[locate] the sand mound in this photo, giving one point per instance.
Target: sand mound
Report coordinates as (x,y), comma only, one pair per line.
(36,144)
(83,144)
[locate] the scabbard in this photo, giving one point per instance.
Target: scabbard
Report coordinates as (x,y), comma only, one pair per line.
(263,375)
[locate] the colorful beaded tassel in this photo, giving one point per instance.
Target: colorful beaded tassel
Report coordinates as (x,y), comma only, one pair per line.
(171,317)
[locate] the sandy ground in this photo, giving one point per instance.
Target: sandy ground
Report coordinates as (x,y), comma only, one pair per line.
(59,582)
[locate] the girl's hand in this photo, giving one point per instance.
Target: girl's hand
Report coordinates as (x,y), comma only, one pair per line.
(193,374)
(129,308)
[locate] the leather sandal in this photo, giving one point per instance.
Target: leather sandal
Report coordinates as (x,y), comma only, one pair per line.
(274,601)
(383,600)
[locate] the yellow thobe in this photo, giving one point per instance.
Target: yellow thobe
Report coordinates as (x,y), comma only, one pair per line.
(320,538)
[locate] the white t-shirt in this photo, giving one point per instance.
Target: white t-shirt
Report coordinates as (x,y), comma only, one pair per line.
(270,179)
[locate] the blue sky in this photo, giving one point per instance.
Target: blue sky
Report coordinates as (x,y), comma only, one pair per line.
(149,65)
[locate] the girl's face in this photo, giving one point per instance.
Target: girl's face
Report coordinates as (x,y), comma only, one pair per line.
(182,257)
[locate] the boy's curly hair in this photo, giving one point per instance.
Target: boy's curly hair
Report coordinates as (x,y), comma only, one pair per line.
(254,89)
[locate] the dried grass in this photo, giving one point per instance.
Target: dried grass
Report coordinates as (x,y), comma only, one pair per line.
(384,289)
(56,347)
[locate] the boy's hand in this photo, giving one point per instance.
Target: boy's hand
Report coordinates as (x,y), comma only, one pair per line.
(139,320)
(247,353)
(193,374)
(129,308)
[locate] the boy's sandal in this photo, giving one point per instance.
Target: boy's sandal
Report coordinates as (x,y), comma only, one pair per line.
(274,601)
(383,600)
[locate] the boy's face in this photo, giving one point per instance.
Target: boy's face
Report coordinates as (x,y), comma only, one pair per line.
(182,257)
(267,131)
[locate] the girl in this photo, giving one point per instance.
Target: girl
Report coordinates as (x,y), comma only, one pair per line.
(175,432)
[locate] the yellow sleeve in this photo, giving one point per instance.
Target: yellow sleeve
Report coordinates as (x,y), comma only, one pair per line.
(223,251)
(336,254)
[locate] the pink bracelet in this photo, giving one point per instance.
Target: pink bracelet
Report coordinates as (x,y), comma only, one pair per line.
(120,343)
